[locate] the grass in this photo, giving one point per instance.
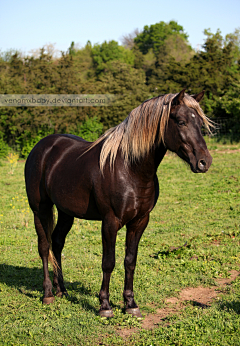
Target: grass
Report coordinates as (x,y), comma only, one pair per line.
(221,143)
(200,209)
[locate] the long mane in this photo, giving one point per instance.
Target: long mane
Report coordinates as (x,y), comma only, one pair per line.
(144,126)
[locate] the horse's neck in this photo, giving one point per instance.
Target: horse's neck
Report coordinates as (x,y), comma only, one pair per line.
(148,165)
(159,154)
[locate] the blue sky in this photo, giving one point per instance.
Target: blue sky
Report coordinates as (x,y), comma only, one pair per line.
(26,25)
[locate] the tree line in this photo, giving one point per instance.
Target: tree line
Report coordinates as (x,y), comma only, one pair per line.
(157,60)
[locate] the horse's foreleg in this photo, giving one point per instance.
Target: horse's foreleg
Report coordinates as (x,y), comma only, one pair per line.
(134,232)
(110,227)
(43,249)
(61,230)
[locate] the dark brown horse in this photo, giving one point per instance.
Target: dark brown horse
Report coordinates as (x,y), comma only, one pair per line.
(113,180)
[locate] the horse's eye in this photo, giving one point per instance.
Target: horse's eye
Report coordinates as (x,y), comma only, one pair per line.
(181,123)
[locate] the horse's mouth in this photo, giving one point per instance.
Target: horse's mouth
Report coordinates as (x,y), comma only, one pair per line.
(197,165)
(197,170)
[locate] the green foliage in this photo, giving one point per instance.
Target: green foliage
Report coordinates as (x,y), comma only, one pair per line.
(121,319)
(42,75)
(7,55)
(4,148)
(229,106)
(154,36)
(27,143)
(128,84)
(110,51)
(216,70)
(72,49)
(212,69)
(90,129)
(160,61)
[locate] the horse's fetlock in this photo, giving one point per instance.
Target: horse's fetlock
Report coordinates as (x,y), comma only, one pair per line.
(128,294)
(103,295)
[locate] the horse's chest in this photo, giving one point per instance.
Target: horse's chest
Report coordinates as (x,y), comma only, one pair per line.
(131,202)
(145,200)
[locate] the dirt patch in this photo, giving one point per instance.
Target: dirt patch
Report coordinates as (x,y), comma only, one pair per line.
(199,296)
(202,296)
(233,276)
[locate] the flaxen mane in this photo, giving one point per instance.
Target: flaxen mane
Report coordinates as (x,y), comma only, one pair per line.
(144,126)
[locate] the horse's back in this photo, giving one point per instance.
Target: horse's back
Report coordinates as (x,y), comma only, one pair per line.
(47,154)
(62,141)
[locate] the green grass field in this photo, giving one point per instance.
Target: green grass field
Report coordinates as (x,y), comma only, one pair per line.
(200,209)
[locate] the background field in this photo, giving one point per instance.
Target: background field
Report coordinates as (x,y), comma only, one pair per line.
(200,209)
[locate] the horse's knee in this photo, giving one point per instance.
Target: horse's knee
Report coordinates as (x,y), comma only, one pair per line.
(108,266)
(130,262)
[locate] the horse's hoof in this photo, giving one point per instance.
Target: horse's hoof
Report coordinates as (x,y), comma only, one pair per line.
(106,313)
(48,300)
(134,312)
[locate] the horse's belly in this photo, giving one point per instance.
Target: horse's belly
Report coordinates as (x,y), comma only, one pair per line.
(74,196)
(82,208)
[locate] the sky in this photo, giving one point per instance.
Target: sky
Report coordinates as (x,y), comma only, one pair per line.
(28,25)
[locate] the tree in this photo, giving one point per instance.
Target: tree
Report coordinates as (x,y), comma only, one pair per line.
(213,69)
(161,44)
(110,51)
(154,36)
(128,84)
(228,106)
(128,40)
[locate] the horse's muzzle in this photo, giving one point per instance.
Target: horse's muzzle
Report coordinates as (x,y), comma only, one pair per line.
(203,164)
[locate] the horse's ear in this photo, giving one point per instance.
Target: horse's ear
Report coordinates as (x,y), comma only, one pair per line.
(199,96)
(178,99)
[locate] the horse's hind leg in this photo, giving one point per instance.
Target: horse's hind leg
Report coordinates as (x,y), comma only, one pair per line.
(110,226)
(134,233)
(43,219)
(61,230)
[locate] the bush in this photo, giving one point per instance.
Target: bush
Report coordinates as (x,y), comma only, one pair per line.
(90,129)
(27,143)
(4,148)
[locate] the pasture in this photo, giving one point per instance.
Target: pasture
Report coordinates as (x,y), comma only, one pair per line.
(192,240)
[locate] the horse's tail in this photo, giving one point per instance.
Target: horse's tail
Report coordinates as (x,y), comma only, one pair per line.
(50,228)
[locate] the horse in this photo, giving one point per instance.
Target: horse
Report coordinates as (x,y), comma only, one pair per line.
(113,180)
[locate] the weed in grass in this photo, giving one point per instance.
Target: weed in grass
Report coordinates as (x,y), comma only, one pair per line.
(121,319)
(13,160)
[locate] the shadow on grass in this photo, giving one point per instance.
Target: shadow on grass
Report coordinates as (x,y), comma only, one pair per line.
(31,279)
(171,251)
(198,304)
(230,306)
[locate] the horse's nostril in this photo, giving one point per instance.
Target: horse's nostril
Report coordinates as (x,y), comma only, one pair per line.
(202,164)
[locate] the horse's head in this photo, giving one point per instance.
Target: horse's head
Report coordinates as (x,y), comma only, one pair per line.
(183,134)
